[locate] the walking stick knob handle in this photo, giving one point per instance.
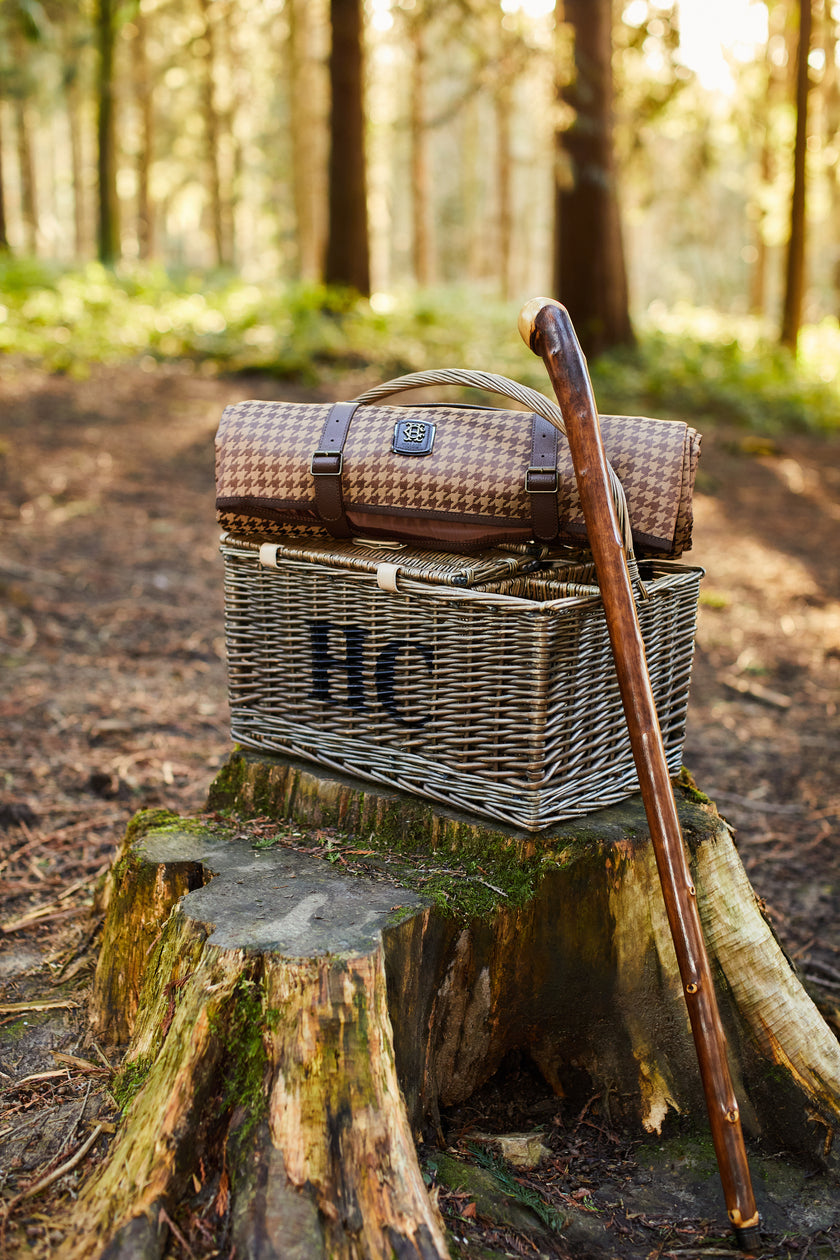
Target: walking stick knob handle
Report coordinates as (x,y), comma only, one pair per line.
(528,317)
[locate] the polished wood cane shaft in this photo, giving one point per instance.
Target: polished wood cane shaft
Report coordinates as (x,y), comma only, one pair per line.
(546,327)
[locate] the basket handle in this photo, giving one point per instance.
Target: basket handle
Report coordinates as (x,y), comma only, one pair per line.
(529,398)
(487,381)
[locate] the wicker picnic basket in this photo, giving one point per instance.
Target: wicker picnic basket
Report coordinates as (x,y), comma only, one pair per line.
(485,682)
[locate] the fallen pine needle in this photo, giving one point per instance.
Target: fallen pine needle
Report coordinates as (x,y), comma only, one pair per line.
(39,1076)
(84,1065)
(43,911)
(20,1008)
(42,915)
(102,1057)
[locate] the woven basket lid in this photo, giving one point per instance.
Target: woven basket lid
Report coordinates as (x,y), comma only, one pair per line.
(361,556)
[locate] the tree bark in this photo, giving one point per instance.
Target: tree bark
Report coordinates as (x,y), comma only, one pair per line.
(347,241)
(268,1027)
(108,243)
(795,264)
(590,276)
(295,1016)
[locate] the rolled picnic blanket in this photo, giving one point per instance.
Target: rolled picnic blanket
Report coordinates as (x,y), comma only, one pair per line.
(448,476)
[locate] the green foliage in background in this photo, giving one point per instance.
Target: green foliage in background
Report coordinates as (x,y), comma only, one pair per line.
(688,363)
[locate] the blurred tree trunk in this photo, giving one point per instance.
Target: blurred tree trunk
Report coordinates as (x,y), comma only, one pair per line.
(108,221)
(795,267)
(420,170)
(502,100)
(507,65)
(347,242)
(26,165)
(304,95)
(590,275)
(773,81)
(72,35)
(831,99)
(77,165)
(471,189)
(758,275)
(211,134)
(25,86)
(231,54)
(4,236)
(143,100)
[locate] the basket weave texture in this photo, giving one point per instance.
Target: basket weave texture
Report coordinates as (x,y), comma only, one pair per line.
(499,699)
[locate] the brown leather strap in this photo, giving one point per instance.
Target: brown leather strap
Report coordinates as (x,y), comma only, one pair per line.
(326,466)
(541,480)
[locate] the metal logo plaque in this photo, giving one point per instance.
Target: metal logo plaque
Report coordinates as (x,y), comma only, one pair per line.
(413,437)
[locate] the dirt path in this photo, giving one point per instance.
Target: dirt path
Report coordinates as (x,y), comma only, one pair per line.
(113,697)
(768,534)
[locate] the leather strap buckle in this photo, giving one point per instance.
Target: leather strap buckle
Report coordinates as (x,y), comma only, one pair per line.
(325,467)
(326,463)
(541,480)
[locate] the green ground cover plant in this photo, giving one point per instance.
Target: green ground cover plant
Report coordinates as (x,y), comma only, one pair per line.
(687,362)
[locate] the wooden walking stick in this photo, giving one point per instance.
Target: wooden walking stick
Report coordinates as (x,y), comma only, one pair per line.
(546,327)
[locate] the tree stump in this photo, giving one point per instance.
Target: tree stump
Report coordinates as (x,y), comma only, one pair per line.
(301,1000)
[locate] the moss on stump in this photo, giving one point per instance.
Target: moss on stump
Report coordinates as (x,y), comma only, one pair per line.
(308,974)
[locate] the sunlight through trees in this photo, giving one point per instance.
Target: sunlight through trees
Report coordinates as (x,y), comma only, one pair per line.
(384,144)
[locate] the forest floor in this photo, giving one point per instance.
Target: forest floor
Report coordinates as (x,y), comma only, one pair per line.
(113,699)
